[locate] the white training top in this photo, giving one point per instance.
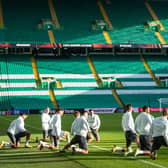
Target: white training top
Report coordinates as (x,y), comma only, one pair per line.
(143,123)
(128,122)
(160,128)
(80,127)
(17,126)
(94,121)
(45,119)
(73,126)
(55,125)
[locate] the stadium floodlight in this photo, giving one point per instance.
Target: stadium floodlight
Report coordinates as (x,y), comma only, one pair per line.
(162,101)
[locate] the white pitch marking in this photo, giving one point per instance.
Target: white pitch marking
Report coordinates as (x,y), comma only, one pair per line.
(140,160)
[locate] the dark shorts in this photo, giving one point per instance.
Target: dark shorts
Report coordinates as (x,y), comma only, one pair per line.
(11,137)
(19,135)
(55,140)
(158,142)
(46,133)
(130,137)
(77,139)
(49,132)
(95,133)
(145,142)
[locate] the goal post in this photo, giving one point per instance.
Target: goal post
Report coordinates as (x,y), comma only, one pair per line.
(162,101)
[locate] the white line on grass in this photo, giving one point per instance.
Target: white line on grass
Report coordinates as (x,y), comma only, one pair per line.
(140,160)
(94,146)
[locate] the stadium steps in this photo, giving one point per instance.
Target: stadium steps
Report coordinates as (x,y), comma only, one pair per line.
(4,99)
(158,64)
(35,71)
(91,100)
(149,70)
(51,36)
(53,14)
(128,24)
(107,20)
(22,25)
(74,70)
(99,82)
(51,93)
(76,25)
(155,17)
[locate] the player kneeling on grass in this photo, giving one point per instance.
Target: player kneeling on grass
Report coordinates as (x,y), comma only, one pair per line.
(80,129)
(17,130)
(143,125)
(94,123)
(129,129)
(159,132)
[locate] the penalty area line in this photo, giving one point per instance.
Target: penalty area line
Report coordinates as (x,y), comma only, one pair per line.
(140,160)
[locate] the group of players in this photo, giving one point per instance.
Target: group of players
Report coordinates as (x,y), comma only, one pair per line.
(148,132)
(83,125)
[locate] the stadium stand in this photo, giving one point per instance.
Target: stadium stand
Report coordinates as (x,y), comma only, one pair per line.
(125,21)
(79,86)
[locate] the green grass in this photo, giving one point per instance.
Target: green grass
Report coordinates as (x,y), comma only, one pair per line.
(110,132)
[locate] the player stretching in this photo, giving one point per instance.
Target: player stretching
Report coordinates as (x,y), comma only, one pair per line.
(94,123)
(45,119)
(17,130)
(129,129)
(143,125)
(159,132)
(56,127)
(80,129)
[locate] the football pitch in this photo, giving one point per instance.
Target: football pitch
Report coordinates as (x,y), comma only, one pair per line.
(99,156)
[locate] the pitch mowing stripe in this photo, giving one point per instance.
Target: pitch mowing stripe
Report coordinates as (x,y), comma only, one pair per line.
(140,160)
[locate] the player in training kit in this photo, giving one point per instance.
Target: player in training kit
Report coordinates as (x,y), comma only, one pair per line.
(159,132)
(45,119)
(43,144)
(17,130)
(143,125)
(80,129)
(55,125)
(129,129)
(94,123)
